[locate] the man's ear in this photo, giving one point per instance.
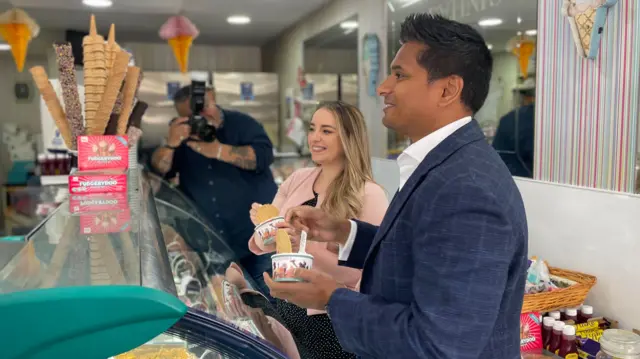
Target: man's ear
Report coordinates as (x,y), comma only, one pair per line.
(451,90)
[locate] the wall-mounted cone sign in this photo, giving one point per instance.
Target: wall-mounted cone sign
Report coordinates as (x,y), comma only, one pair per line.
(17,29)
(523,47)
(179,32)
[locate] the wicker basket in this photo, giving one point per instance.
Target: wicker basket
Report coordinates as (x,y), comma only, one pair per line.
(570,297)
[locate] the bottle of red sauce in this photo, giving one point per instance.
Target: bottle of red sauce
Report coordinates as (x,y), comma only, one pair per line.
(547,330)
(585,313)
(555,315)
(568,348)
(556,337)
(571,314)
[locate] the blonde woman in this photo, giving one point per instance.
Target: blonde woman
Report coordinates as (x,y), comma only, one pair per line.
(341,183)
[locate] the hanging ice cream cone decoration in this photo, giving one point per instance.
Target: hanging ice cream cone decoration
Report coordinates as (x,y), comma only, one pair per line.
(523,47)
(17,29)
(179,32)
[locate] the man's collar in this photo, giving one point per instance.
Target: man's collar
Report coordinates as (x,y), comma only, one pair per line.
(419,149)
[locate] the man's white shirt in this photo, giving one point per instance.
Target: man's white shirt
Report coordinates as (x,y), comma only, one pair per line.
(408,162)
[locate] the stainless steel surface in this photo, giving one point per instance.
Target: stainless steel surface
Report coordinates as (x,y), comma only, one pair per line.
(349,88)
(153,91)
(325,86)
(264,106)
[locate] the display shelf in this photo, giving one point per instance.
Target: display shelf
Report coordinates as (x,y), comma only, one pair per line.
(124,282)
(60,180)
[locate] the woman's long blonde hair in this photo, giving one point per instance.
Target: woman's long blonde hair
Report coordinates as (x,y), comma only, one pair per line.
(344,197)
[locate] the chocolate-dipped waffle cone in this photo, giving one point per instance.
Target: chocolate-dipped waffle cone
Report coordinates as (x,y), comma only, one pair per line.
(53,104)
(112,125)
(95,68)
(118,72)
(69,85)
(129,93)
(135,119)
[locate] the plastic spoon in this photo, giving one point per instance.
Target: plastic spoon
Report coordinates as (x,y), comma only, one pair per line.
(303,242)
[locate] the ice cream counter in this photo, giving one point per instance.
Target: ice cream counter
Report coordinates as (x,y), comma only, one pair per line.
(125,283)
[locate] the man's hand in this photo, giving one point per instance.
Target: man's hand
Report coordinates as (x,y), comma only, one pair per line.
(319,225)
(313,293)
(179,131)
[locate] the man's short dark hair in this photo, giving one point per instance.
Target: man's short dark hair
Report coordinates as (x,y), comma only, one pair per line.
(185,93)
(452,48)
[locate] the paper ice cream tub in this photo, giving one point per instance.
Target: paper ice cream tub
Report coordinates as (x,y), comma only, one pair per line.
(284,265)
(266,231)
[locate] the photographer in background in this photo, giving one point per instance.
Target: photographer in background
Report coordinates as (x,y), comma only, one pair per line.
(223,175)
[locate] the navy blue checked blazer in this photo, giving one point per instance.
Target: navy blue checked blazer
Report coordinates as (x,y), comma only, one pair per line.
(443,276)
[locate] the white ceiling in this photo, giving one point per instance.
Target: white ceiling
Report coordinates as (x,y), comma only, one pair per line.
(139,20)
(466,11)
(472,11)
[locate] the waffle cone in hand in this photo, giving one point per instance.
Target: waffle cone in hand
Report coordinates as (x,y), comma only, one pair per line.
(180,46)
(53,104)
(118,72)
(95,69)
(283,242)
(266,212)
(128,96)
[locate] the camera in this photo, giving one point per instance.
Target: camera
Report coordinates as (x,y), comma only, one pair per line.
(199,125)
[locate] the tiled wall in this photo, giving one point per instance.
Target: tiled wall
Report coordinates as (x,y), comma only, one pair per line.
(587,110)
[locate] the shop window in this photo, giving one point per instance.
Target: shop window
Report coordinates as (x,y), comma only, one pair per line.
(509,28)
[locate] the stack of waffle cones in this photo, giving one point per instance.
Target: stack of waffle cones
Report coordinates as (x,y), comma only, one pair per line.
(95,74)
(111,87)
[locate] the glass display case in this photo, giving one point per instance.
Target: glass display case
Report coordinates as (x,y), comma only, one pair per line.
(284,164)
(142,277)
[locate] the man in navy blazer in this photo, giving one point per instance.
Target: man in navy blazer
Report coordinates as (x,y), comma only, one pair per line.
(443,276)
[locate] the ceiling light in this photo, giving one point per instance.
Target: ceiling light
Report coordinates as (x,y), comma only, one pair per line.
(390,5)
(490,22)
(519,33)
(489,46)
(98,3)
(349,25)
(519,20)
(238,20)
(409,3)
(5,47)
(532,32)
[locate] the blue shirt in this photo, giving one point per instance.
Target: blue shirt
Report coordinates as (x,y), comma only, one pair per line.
(224,192)
(514,140)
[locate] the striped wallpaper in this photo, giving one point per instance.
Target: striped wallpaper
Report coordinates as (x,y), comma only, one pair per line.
(587,110)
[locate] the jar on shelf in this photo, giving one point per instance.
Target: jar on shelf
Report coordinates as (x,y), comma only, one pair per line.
(619,344)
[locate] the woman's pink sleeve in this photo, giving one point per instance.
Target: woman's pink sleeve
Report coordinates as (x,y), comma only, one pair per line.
(278,201)
(374,207)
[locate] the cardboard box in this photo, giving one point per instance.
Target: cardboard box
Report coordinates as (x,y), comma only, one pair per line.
(530,332)
(105,222)
(103,152)
(98,182)
(98,202)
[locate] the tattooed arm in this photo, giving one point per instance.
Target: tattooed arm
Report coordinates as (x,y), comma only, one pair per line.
(162,160)
(243,157)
